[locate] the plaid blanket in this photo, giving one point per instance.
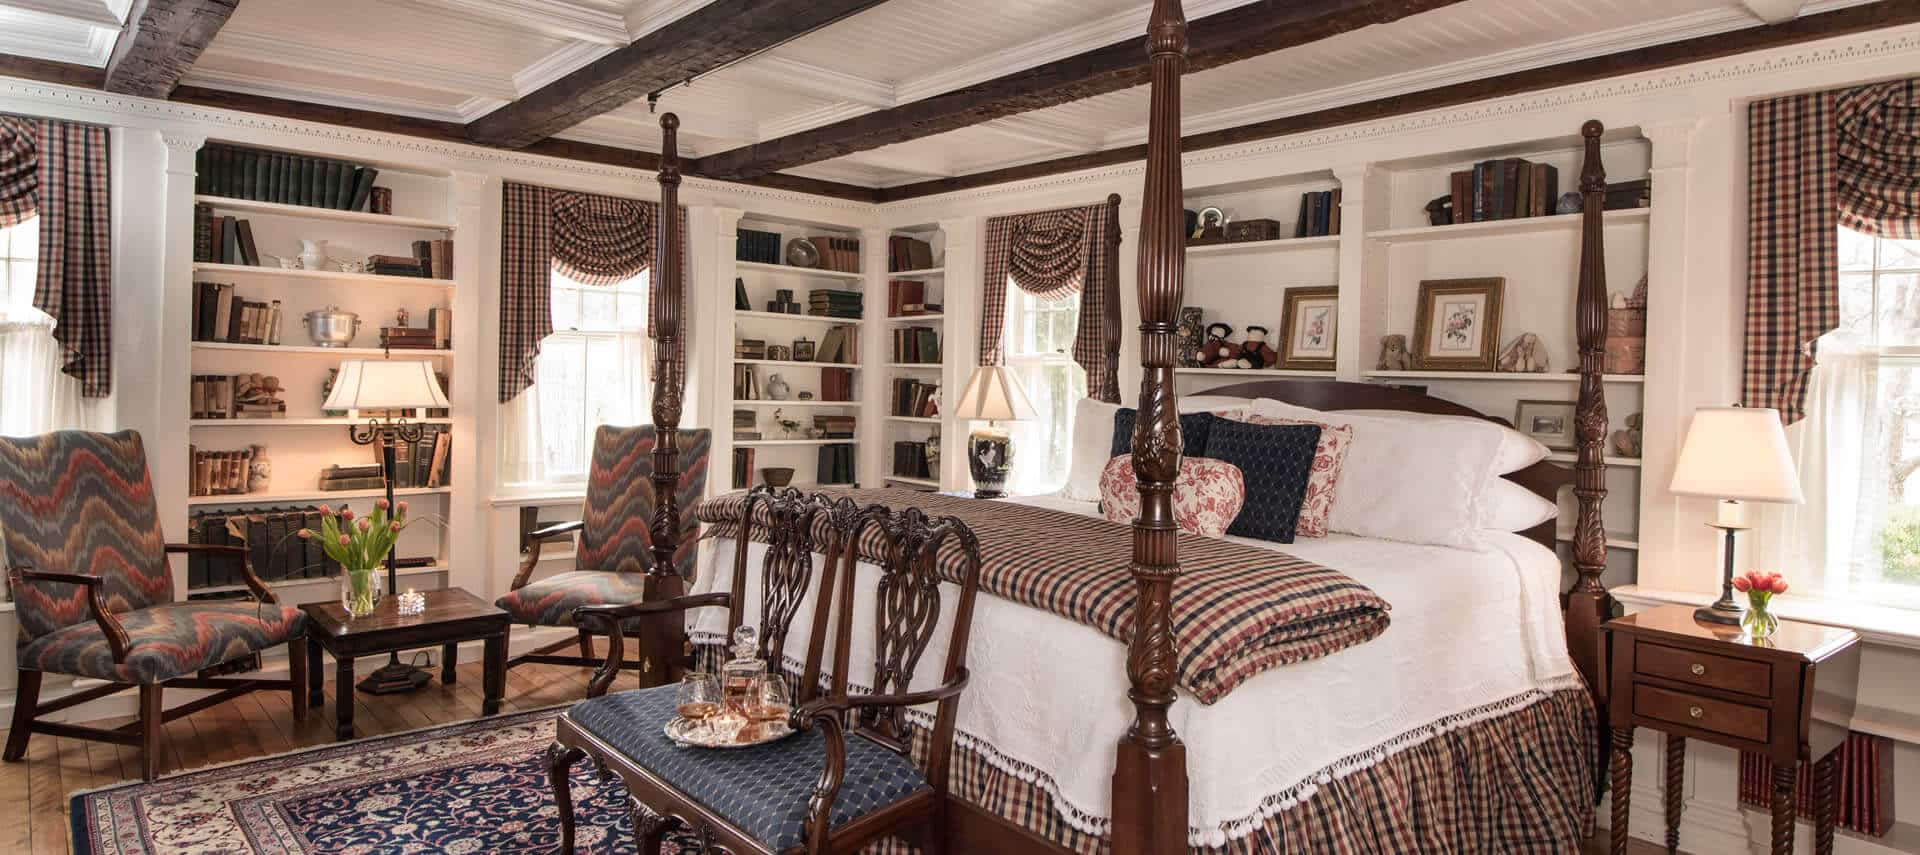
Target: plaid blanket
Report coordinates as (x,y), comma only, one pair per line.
(1237,610)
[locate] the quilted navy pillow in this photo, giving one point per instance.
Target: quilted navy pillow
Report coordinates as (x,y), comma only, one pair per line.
(1194,430)
(1276,461)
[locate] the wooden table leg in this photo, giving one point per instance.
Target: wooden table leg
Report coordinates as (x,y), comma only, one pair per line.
(494,674)
(1826,804)
(316,674)
(1622,788)
(1784,777)
(342,697)
(449,662)
(1676,773)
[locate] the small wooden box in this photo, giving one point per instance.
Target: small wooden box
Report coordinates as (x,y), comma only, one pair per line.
(1246,230)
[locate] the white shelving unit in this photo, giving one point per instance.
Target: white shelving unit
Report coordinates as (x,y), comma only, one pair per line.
(909,428)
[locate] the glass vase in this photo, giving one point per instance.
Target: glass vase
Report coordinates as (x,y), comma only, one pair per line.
(1758,622)
(360,591)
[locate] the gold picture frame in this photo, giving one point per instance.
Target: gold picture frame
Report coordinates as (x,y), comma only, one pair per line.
(1457,324)
(1310,328)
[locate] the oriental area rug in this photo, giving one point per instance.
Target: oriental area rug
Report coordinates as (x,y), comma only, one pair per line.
(473,787)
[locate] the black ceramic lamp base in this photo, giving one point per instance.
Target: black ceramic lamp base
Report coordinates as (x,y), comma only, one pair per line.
(394,678)
(1723,611)
(989,457)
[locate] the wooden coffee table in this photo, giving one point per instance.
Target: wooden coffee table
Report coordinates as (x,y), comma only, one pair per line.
(452,616)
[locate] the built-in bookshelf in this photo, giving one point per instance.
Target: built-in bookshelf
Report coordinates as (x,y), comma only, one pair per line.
(916,340)
(258,377)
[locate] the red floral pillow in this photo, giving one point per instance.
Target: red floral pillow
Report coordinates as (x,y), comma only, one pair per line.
(1206,498)
(1327,458)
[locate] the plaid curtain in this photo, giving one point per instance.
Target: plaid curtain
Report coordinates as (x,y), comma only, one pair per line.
(19,186)
(1814,162)
(1051,254)
(588,237)
(59,171)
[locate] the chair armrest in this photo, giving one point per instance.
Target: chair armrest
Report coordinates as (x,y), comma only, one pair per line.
(536,538)
(554,531)
(261,593)
(117,639)
(616,618)
(832,708)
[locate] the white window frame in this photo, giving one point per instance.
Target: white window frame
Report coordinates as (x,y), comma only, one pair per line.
(630,334)
(1025,314)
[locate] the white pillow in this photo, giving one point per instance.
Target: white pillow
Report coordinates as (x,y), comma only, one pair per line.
(1418,481)
(1093,439)
(1507,506)
(1517,450)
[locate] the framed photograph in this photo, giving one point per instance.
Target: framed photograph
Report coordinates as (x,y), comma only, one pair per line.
(1307,336)
(1456,327)
(802,350)
(1550,422)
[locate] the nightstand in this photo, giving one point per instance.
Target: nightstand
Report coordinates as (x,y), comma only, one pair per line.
(1788,697)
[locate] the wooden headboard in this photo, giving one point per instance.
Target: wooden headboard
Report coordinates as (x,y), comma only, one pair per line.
(1542,479)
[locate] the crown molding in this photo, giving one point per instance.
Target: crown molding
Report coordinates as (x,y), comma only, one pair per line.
(651,15)
(558,64)
(394,105)
(333,60)
(553,17)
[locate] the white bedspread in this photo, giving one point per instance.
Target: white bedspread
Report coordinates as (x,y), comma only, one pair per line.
(1474,635)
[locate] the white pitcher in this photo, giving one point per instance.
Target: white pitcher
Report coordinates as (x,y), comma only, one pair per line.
(313,254)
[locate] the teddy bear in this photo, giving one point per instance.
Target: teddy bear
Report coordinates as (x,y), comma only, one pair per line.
(1393,354)
(1217,351)
(1255,352)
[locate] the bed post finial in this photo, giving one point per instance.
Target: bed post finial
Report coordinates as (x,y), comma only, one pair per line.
(1588,603)
(1150,768)
(659,643)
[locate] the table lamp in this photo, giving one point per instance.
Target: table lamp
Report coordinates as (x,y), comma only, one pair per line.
(1736,455)
(993,395)
(394,386)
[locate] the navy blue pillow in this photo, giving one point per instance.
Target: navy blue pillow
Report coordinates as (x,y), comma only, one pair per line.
(1194,428)
(1276,461)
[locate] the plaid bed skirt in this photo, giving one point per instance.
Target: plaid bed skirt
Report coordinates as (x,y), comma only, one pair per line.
(1238,610)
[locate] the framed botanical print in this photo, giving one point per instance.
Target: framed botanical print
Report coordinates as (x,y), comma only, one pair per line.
(1310,324)
(1456,327)
(1550,422)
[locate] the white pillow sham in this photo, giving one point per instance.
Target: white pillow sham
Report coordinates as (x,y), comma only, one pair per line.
(1417,481)
(1517,450)
(1507,506)
(1093,439)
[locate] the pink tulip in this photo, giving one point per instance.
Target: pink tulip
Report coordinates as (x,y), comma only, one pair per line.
(346,513)
(380,503)
(306,534)
(403,508)
(345,540)
(1779,585)
(1742,584)
(365,524)
(326,510)
(395,525)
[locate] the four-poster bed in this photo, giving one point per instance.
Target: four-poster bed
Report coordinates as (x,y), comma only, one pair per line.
(1152,776)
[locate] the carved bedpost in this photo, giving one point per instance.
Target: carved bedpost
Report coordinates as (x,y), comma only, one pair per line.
(661,640)
(1588,603)
(1110,391)
(1150,770)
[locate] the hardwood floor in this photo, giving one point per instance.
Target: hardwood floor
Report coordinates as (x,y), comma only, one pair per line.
(260,724)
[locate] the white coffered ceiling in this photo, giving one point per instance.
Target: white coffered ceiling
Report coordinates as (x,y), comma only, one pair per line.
(456,60)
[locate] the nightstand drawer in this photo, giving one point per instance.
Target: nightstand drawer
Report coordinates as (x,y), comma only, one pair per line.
(1703,669)
(1736,720)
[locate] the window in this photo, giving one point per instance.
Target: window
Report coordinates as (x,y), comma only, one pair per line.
(592,371)
(38,397)
(1039,346)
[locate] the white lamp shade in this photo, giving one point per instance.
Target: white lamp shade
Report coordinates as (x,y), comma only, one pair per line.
(1737,453)
(994,393)
(385,384)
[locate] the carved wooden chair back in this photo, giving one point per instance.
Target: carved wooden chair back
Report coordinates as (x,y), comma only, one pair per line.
(797,527)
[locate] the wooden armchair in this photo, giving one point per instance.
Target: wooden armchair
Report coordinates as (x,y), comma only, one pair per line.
(848,778)
(94,595)
(614,556)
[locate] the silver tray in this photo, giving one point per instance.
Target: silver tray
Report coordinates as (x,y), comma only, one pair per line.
(690,733)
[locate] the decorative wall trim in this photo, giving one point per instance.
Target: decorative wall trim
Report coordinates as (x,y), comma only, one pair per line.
(555,17)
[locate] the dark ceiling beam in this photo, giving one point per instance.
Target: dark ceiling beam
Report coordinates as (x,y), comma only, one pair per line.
(1854,19)
(162,39)
(710,37)
(13,65)
(1215,40)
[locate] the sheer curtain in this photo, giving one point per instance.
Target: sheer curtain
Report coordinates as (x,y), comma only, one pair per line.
(35,397)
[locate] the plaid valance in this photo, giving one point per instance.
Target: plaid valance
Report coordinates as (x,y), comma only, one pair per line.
(589,238)
(58,170)
(1052,254)
(1817,161)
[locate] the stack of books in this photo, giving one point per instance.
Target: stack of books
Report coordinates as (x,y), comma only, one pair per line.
(396,265)
(1319,214)
(742,468)
(273,542)
(757,246)
(220,314)
(440,323)
(835,464)
(1628,194)
(840,345)
(238,396)
(916,345)
(409,338)
(908,297)
(218,473)
(839,254)
(222,240)
(914,399)
(910,460)
(782,303)
(746,425)
(837,426)
(750,348)
(1504,189)
(365,477)
(836,384)
(905,253)
(833,303)
(436,257)
(746,383)
(287,179)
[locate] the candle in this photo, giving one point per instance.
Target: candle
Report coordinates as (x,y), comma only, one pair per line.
(1731,514)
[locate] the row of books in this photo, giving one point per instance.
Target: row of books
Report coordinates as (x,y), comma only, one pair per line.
(220,314)
(914,399)
(436,335)
(1628,194)
(1504,189)
(746,382)
(742,468)
(273,542)
(834,303)
(436,257)
(218,473)
(1319,214)
(907,253)
(757,246)
(839,345)
(836,384)
(422,462)
(287,179)
(235,396)
(916,345)
(910,460)
(908,297)
(399,265)
(836,464)
(222,240)
(746,425)
(839,254)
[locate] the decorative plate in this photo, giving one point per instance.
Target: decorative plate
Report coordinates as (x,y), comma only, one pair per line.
(802,253)
(687,732)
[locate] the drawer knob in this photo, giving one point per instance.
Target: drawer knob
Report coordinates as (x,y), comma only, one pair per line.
(1696,712)
(1698,669)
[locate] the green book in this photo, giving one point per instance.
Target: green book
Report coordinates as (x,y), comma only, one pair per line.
(303,181)
(262,166)
(362,187)
(317,183)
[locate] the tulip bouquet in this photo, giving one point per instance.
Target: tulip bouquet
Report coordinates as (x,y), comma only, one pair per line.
(359,544)
(1760,587)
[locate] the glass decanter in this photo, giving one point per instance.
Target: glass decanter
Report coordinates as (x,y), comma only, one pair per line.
(738,675)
